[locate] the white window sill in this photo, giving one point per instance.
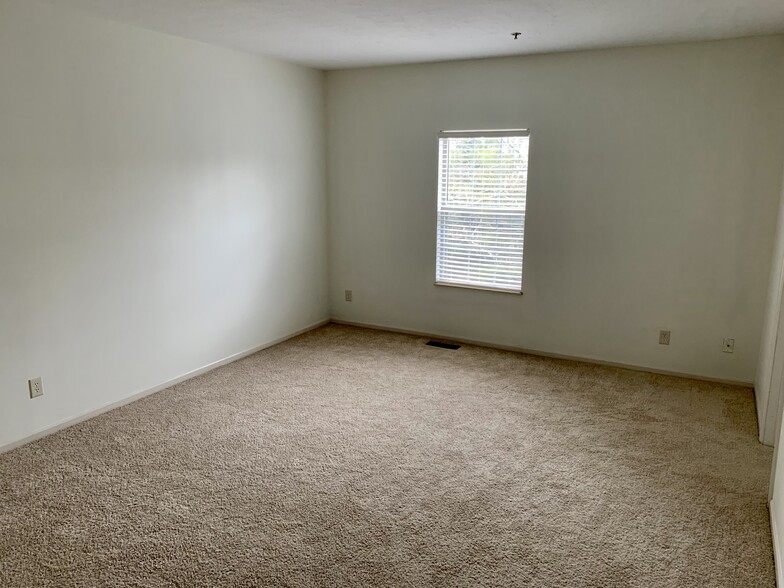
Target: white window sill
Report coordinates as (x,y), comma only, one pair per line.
(482,288)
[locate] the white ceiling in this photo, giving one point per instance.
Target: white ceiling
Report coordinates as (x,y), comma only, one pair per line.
(330,34)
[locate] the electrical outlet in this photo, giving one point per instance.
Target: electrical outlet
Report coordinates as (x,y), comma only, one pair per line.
(664,337)
(349,295)
(729,346)
(36,387)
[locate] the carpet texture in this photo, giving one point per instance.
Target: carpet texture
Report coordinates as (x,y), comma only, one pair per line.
(349,457)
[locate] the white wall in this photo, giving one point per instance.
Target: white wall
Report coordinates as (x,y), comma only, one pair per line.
(162,206)
(770,368)
(776,508)
(653,191)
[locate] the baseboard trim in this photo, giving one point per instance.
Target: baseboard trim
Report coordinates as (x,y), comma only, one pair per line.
(69,422)
(777,559)
(536,352)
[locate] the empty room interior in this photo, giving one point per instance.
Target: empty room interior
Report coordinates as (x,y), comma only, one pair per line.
(438,293)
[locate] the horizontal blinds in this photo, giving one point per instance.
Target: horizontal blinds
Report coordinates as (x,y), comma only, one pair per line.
(482,184)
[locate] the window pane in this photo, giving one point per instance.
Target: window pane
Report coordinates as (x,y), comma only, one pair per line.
(481,210)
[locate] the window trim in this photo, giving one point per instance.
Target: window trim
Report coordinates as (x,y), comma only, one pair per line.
(482,288)
(493,133)
(469,134)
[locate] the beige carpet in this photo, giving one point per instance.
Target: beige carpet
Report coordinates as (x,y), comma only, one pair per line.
(348,457)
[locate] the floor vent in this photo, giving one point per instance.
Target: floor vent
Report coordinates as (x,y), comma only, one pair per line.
(442,345)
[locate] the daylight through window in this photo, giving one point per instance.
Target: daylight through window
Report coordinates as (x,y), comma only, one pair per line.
(482,180)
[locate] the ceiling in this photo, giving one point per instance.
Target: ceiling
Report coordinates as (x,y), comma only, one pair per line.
(331,34)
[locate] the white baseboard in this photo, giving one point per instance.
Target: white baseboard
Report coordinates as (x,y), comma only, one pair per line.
(478,343)
(777,558)
(64,424)
(197,372)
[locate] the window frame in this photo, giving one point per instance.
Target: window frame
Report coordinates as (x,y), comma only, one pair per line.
(467,135)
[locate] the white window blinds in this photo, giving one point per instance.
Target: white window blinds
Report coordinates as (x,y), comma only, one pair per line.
(482,177)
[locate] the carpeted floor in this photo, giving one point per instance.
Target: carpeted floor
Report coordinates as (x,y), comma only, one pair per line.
(348,457)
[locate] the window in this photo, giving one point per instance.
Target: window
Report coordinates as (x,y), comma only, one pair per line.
(482,178)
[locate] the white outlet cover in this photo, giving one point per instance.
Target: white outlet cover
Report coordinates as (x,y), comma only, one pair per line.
(36,387)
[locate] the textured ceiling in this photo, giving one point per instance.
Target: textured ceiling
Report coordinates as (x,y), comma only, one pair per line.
(331,34)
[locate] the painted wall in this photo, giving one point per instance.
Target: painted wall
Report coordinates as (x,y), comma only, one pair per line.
(653,192)
(770,369)
(776,508)
(162,206)
(769,390)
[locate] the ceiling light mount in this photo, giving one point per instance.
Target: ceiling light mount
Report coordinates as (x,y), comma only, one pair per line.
(515,35)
